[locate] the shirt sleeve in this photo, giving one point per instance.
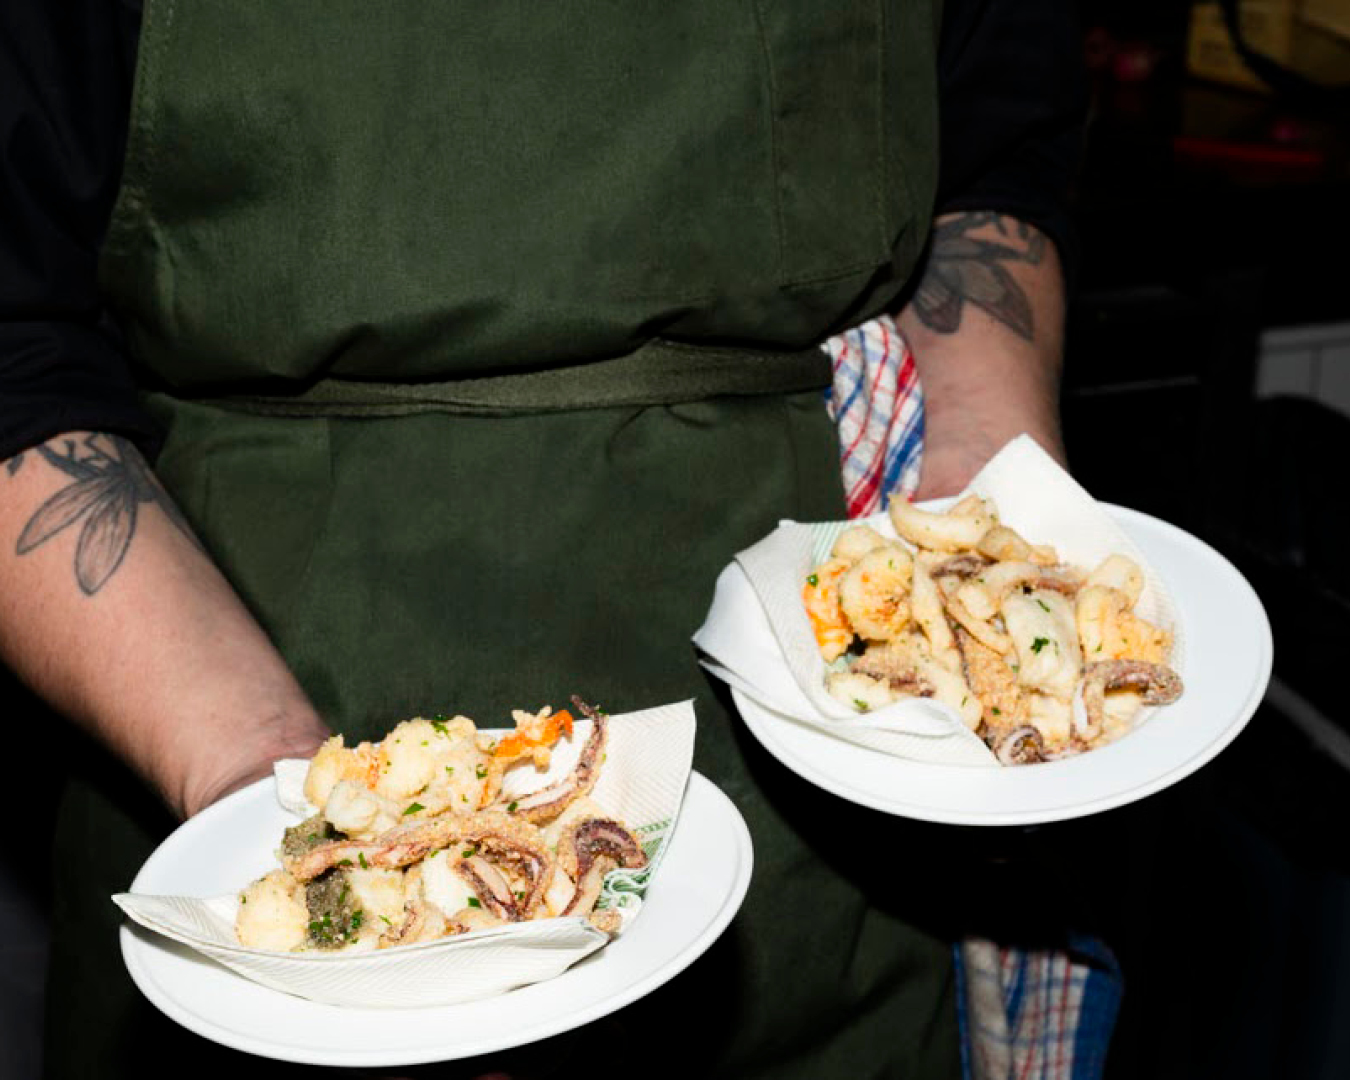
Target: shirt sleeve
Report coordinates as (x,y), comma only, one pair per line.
(1013,104)
(65,84)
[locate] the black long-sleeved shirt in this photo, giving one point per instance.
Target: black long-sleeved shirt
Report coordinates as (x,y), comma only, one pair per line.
(1011,108)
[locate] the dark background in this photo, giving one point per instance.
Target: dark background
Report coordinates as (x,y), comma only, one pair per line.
(1213,221)
(1211,218)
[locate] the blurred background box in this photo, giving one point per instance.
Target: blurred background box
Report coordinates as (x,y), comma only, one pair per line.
(1311,38)
(1331,16)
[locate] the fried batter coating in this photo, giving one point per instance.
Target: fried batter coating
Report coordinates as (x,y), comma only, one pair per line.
(272,914)
(874,593)
(995,686)
(966,610)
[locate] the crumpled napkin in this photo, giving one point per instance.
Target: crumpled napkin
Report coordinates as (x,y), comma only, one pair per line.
(642,782)
(758,639)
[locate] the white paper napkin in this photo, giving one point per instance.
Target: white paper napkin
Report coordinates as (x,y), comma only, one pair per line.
(758,638)
(642,782)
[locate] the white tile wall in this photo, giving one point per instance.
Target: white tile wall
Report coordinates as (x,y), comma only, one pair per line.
(1286,372)
(1333,376)
(1307,361)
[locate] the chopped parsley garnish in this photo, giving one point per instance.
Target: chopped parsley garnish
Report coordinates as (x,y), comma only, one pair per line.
(860,705)
(475,902)
(361,858)
(481,772)
(813,579)
(413,808)
(511,806)
(1044,606)
(1039,643)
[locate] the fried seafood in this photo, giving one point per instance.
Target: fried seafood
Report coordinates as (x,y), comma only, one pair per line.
(587,851)
(414,840)
(1002,703)
(1045,643)
(856,541)
(1041,658)
(1109,630)
(820,594)
(1002,544)
(874,593)
(960,529)
(908,669)
(1021,746)
(926,605)
(1154,684)
(272,913)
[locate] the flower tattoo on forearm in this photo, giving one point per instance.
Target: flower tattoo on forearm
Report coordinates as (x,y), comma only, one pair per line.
(963,269)
(109,482)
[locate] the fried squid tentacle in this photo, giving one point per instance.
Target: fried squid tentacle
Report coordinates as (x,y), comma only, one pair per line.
(1021,746)
(501,838)
(591,849)
(422,920)
(1157,684)
(490,886)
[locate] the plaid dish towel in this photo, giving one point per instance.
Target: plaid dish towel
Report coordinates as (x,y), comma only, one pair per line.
(877,404)
(1043,1013)
(1024,1013)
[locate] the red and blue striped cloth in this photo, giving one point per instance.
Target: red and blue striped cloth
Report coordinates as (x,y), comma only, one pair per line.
(1045,1013)
(1025,1013)
(877,404)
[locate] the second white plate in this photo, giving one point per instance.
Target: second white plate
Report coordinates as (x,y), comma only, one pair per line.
(703,879)
(1228,664)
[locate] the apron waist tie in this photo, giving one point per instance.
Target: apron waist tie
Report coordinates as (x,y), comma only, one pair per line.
(659,373)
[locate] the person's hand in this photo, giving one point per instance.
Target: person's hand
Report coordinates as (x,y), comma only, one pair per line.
(277,740)
(952,458)
(948,466)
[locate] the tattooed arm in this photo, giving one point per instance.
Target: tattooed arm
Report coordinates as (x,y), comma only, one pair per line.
(986,328)
(113,613)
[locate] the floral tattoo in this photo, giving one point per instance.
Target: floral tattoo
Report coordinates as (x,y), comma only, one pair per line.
(963,268)
(109,481)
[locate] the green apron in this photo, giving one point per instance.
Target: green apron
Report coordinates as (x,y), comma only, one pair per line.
(484,337)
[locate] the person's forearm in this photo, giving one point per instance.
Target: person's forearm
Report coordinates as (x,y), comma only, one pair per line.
(114,614)
(986,329)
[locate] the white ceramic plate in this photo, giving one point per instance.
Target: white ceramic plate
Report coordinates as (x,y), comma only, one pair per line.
(1227,666)
(702,881)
